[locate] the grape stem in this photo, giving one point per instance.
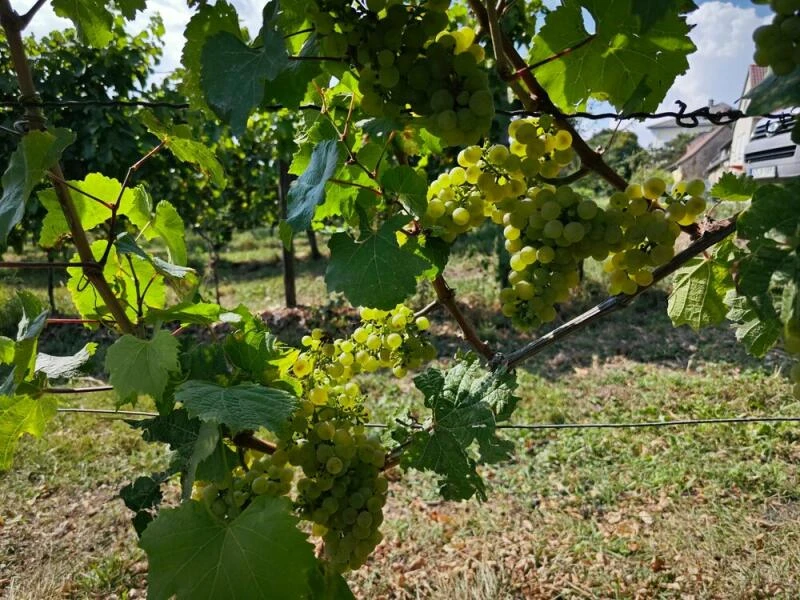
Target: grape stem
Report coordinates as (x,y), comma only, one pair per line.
(426,309)
(714,233)
(447,298)
(513,69)
(246,439)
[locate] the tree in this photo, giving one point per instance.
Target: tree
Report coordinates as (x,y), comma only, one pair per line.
(621,151)
(672,150)
(379,90)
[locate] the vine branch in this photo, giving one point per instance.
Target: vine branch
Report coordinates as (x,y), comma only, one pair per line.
(447,298)
(93,271)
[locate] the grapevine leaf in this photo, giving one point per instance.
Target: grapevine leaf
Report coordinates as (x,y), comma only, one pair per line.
(308,191)
(629,62)
(142,496)
(433,249)
(35,154)
(179,141)
(91,18)
(652,11)
(129,8)
(243,406)
(775,92)
(463,401)
(259,554)
(64,366)
(90,212)
(758,332)
(142,366)
(206,443)
(90,304)
(259,353)
(27,341)
(289,87)
(234,74)
(206,22)
(734,189)
(374,271)
(409,186)
(774,208)
(216,467)
(20,415)
(757,269)
(169,226)
(698,293)
(196,313)
(143,493)
(176,430)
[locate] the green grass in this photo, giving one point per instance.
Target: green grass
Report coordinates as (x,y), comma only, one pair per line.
(704,512)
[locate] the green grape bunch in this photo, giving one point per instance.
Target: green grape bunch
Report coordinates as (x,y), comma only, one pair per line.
(778,43)
(550,229)
(340,487)
(407,63)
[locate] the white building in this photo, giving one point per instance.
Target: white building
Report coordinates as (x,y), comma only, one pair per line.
(743,128)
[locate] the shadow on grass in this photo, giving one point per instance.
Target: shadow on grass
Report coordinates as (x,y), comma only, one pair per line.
(252,270)
(642,332)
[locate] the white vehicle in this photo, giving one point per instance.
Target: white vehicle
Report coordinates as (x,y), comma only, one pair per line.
(770,153)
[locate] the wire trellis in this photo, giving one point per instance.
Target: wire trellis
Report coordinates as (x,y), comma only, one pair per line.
(689,120)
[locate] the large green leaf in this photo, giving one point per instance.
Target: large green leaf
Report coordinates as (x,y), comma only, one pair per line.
(259,554)
(20,415)
(120,275)
(35,154)
(409,186)
(243,406)
(775,92)
(178,139)
(774,209)
(90,212)
(734,189)
(64,366)
(308,191)
(756,330)
(698,293)
(91,18)
(631,61)
(466,402)
(139,366)
(375,271)
(206,22)
(234,74)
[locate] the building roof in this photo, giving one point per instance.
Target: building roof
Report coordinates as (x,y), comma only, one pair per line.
(755,75)
(669,123)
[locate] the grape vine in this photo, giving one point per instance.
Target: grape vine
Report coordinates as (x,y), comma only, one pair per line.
(398,151)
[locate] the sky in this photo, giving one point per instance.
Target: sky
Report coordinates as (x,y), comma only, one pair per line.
(716,71)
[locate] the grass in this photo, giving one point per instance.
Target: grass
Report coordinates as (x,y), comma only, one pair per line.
(686,512)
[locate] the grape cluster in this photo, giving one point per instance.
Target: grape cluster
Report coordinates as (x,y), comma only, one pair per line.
(342,491)
(393,339)
(406,60)
(778,44)
(268,474)
(549,230)
(462,198)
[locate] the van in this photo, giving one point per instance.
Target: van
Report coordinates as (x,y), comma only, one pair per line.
(770,154)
